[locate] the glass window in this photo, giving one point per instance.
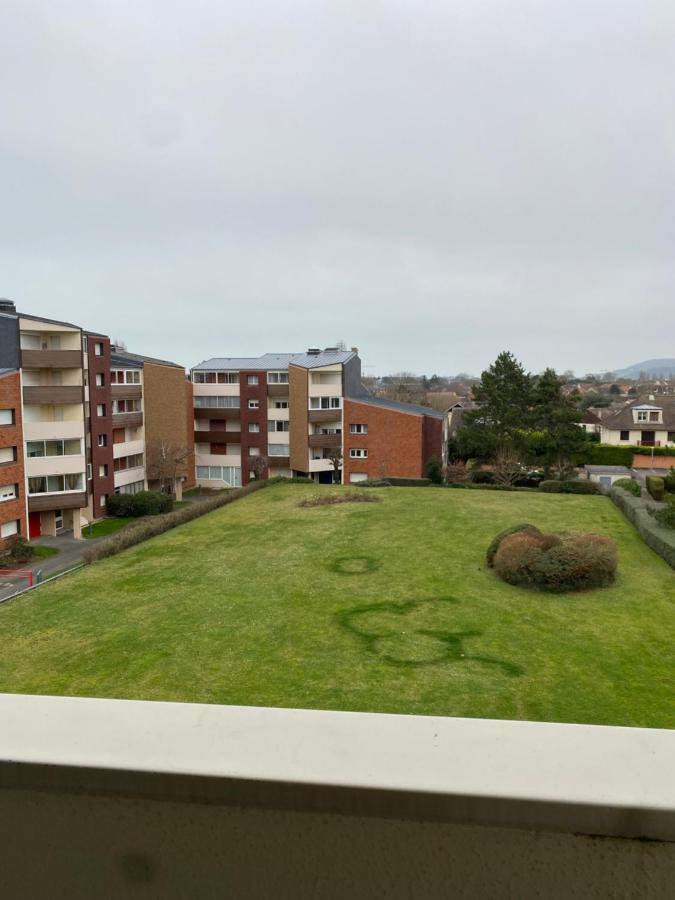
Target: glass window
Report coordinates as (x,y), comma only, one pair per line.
(8,492)
(281,404)
(624,436)
(100,379)
(358,453)
(358,429)
(6,416)
(35,449)
(8,529)
(252,379)
(7,454)
(277,377)
(98,348)
(278,450)
(253,427)
(253,404)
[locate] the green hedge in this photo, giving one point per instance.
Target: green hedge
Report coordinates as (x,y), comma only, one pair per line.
(611,455)
(470,486)
(656,488)
(637,511)
(632,485)
(569,487)
(144,503)
(407,482)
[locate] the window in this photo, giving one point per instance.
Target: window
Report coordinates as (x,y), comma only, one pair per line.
(134,488)
(281,404)
(624,436)
(103,470)
(253,427)
(98,348)
(326,378)
(71,447)
(653,417)
(103,440)
(125,406)
(51,484)
(7,417)
(277,425)
(102,500)
(254,451)
(7,455)
(85,343)
(100,409)
(325,402)
(228,378)
(216,402)
(135,461)
(8,529)
(8,492)
(231,475)
(278,450)
(277,377)
(251,379)
(90,472)
(133,376)
(671,436)
(100,379)
(358,429)
(355,453)
(253,404)
(642,415)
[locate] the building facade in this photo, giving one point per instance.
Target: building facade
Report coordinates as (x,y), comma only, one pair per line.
(645,422)
(13,501)
(296,414)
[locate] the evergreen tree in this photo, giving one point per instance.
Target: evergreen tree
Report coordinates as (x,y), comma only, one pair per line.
(555,418)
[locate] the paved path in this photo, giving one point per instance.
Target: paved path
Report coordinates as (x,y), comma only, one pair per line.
(70,554)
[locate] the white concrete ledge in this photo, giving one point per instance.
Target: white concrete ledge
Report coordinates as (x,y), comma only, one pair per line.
(574,778)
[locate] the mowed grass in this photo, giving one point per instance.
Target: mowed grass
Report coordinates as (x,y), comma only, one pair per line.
(383,607)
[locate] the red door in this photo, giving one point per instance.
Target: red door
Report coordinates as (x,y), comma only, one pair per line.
(34,529)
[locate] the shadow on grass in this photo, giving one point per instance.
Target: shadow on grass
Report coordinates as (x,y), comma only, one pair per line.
(413,635)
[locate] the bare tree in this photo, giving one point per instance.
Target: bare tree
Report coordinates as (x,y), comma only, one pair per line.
(507,468)
(165,462)
(258,466)
(455,472)
(335,456)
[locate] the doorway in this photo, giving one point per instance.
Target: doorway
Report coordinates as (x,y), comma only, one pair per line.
(34,525)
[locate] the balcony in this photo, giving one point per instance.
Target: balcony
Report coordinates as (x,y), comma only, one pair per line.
(325,440)
(283,461)
(210,413)
(127,420)
(53,393)
(119,798)
(217,437)
(51,359)
(277,390)
(126,391)
(325,415)
(69,500)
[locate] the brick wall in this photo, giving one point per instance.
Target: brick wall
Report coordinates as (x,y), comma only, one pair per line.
(13,473)
(298,401)
(100,485)
(190,480)
(167,415)
(398,443)
(259,416)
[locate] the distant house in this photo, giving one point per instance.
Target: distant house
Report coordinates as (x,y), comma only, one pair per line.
(645,422)
(590,422)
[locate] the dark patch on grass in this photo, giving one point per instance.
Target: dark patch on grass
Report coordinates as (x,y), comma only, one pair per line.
(417,646)
(354,565)
(335,499)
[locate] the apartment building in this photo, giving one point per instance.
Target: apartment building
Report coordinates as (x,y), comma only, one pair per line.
(80,420)
(152,424)
(302,414)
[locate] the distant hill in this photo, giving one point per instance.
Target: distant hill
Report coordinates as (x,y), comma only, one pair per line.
(664,368)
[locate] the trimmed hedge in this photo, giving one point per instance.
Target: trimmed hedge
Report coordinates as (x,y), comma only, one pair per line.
(637,510)
(144,503)
(407,482)
(632,485)
(666,515)
(611,455)
(151,527)
(470,486)
(669,482)
(569,487)
(656,488)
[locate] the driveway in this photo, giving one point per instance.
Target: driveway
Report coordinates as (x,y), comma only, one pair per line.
(70,554)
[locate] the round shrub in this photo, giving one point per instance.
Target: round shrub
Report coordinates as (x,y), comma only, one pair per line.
(496,541)
(632,485)
(550,562)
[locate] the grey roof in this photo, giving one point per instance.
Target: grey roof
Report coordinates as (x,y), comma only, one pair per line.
(135,360)
(623,419)
(23,315)
(410,408)
(7,371)
(608,470)
(273,361)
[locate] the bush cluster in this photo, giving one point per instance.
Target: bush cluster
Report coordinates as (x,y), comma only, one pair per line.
(666,515)
(669,482)
(569,487)
(433,470)
(555,563)
(19,552)
(656,488)
(151,527)
(632,485)
(145,503)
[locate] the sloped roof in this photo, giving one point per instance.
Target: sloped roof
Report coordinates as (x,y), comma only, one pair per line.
(398,406)
(135,360)
(623,419)
(273,361)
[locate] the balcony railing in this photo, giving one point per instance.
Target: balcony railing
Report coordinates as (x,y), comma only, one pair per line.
(325,440)
(277,390)
(283,461)
(325,415)
(217,413)
(313,803)
(127,420)
(51,359)
(126,391)
(52,393)
(217,437)
(67,500)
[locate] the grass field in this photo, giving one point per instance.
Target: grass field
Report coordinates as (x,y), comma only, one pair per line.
(105,527)
(372,606)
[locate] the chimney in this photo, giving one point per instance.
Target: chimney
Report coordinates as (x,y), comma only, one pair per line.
(7,306)
(355,350)
(313,351)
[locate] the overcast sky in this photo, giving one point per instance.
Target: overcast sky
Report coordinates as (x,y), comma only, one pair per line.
(430,181)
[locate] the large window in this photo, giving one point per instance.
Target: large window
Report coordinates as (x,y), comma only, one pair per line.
(135,461)
(277,377)
(278,450)
(126,406)
(216,402)
(8,492)
(277,425)
(325,402)
(71,447)
(6,417)
(125,376)
(53,484)
(231,475)
(7,455)
(215,377)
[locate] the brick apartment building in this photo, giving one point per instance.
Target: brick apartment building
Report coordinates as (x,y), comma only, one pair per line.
(63,403)
(297,411)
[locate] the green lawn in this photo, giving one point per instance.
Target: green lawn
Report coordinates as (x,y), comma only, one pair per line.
(43,552)
(106,527)
(372,606)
